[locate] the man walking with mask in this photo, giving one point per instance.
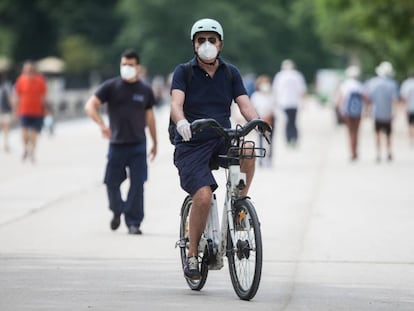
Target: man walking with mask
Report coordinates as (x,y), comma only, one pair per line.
(129,106)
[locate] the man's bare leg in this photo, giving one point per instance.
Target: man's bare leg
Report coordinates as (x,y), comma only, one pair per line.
(389,147)
(378,145)
(33,143)
(198,217)
(25,138)
(248,166)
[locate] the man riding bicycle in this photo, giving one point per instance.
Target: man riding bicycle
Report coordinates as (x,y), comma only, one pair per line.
(214,86)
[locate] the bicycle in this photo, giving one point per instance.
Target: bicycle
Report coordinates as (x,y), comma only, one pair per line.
(239,237)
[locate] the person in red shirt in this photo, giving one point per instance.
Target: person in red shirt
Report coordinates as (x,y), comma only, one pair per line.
(30,90)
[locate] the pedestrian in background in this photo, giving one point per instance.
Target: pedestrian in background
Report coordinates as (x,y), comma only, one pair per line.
(351,103)
(382,91)
(407,96)
(289,87)
(30,91)
(263,101)
(6,109)
(130,110)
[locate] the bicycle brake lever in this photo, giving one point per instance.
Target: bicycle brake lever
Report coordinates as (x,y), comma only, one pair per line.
(267,138)
(265,129)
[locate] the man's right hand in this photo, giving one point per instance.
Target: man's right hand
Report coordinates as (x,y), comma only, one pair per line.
(184,129)
(106,131)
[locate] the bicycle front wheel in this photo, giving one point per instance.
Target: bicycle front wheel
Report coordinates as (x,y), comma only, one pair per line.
(184,243)
(245,258)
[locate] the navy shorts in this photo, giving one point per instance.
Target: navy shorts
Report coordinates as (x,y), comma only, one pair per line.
(194,161)
(410,117)
(383,126)
(34,123)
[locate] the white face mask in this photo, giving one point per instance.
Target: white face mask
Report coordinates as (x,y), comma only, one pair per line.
(128,72)
(265,87)
(207,51)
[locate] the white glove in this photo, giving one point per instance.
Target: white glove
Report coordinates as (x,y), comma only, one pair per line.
(183,128)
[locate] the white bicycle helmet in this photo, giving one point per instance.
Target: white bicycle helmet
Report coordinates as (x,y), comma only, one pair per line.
(207,24)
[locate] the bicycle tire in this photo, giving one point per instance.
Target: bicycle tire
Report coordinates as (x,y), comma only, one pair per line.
(245,260)
(184,226)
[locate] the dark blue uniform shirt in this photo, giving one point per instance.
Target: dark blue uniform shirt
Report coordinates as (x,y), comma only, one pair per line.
(127,105)
(207,97)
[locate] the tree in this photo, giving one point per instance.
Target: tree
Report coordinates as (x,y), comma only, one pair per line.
(27,30)
(257,36)
(75,30)
(371,31)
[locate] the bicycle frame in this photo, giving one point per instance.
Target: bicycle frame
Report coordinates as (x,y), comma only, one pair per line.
(239,236)
(235,181)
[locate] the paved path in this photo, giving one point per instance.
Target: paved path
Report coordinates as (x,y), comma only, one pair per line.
(337,235)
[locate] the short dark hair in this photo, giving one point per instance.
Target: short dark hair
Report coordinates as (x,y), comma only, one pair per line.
(131,53)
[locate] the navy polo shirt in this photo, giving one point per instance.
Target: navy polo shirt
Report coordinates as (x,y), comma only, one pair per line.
(207,97)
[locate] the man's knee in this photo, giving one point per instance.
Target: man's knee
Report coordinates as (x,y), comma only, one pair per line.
(203,196)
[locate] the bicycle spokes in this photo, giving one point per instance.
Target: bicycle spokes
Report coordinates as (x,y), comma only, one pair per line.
(245,256)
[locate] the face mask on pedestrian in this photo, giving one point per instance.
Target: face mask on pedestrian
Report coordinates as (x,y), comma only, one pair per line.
(264,87)
(128,72)
(207,51)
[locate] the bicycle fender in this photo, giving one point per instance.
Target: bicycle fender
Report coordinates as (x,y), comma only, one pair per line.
(187,198)
(242,198)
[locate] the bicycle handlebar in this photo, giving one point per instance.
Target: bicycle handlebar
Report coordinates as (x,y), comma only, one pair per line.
(229,134)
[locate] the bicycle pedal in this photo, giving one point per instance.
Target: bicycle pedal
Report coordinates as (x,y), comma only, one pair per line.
(182,243)
(217,264)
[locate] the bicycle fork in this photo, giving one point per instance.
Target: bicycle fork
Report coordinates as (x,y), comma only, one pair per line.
(236,180)
(210,239)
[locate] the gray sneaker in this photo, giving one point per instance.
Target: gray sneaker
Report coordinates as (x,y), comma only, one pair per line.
(134,230)
(191,268)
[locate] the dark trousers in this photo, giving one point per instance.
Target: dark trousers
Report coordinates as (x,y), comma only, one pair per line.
(120,158)
(291,131)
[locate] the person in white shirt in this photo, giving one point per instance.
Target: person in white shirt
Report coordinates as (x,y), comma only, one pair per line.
(382,92)
(263,101)
(289,87)
(407,96)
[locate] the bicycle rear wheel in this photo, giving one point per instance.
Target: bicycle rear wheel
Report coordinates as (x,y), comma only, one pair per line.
(245,258)
(184,243)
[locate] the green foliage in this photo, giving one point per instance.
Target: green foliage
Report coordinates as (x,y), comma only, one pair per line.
(30,32)
(80,54)
(95,20)
(90,35)
(257,36)
(75,30)
(371,31)
(7,41)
